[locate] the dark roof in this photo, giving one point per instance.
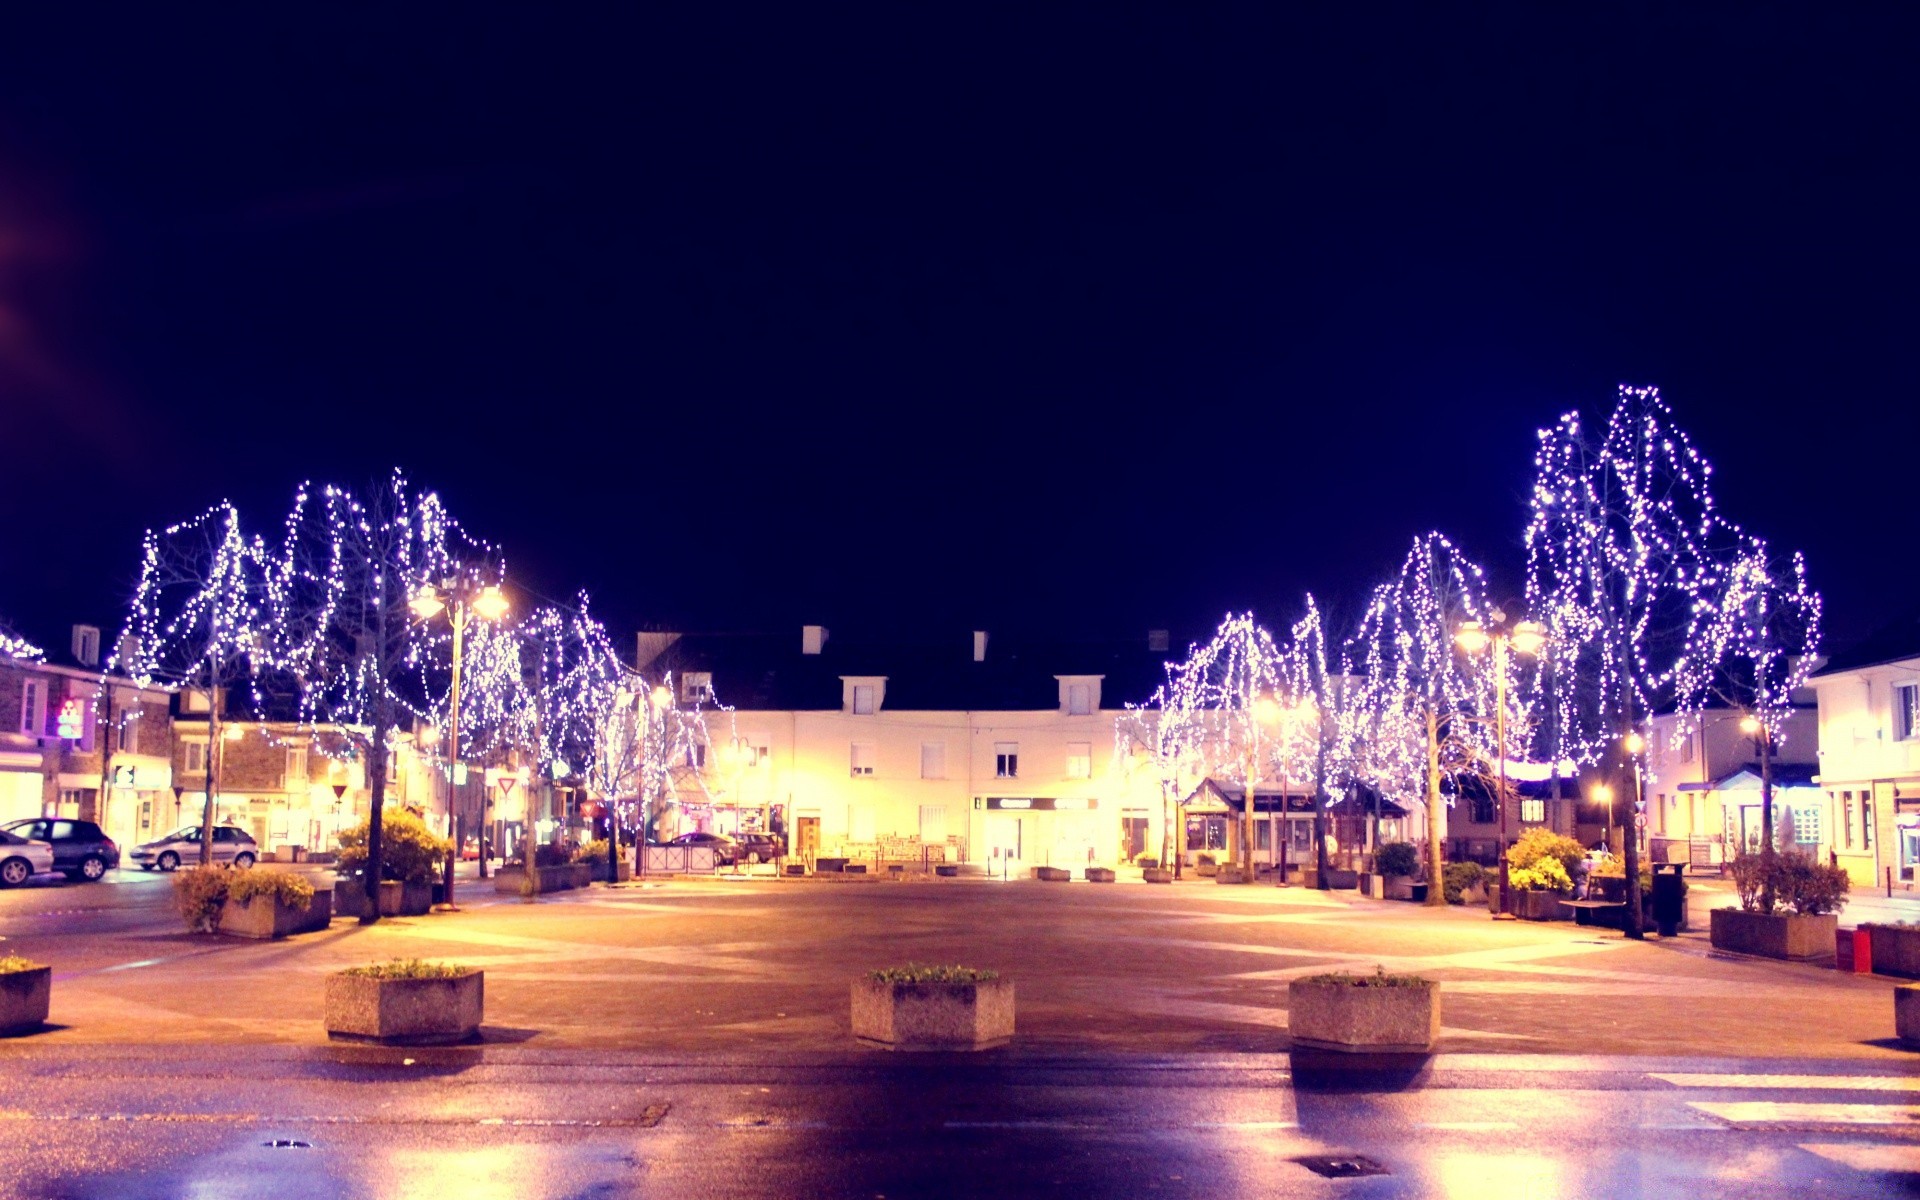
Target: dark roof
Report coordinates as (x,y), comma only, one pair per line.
(766,671)
(1897,640)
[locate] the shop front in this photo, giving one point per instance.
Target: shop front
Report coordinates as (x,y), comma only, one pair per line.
(1010,834)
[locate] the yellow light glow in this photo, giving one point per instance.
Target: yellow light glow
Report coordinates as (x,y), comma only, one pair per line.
(1750,724)
(1635,743)
(662,698)
(426,603)
(1267,710)
(1603,794)
(492,604)
(1472,637)
(1529,637)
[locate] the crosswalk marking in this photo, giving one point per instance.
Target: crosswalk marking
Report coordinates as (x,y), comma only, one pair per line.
(1868,1156)
(1744,1114)
(1836,1083)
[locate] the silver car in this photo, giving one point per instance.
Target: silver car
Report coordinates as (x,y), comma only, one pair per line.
(21,859)
(231,845)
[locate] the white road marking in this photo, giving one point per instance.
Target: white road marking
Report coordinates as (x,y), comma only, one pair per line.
(1866,1157)
(1750,1113)
(1835,1083)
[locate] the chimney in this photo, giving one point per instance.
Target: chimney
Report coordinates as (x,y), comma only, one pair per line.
(1157,641)
(979,645)
(813,638)
(86,645)
(650,645)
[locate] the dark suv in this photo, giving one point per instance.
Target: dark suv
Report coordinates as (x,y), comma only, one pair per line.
(81,849)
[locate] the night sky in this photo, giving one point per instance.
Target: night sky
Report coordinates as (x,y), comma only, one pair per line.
(1068,319)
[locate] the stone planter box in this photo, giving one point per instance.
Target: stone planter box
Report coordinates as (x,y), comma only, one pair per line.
(597,870)
(1099,875)
(933,1016)
(1372,885)
(1896,950)
(515,881)
(349,898)
(829,864)
(1399,887)
(399,899)
(1052,874)
(1906,1013)
(1775,935)
(265,917)
(1157,874)
(1206,870)
(1537,906)
(1384,1020)
(947,870)
(408,1012)
(24,998)
(1339,880)
(1230,875)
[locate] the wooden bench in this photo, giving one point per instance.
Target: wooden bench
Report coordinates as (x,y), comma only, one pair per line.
(1583,910)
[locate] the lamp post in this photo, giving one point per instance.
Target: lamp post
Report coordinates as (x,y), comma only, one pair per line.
(1756,729)
(1259,709)
(1528,637)
(1603,794)
(464,595)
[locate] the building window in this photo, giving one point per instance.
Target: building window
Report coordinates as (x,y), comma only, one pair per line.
(1533,810)
(754,754)
(1806,824)
(697,756)
(1847,823)
(933,760)
(863,698)
(1906,711)
(196,756)
(1866,821)
(860,758)
(1079,700)
(696,687)
(1686,748)
(123,735)
(1079,760)
(1006,760)
(297,769)
(33,707)
(1480,810)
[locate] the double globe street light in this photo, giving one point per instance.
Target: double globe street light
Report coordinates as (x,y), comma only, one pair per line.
(464,595)
(1528,637)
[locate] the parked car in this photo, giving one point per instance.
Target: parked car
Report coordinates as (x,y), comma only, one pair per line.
(760,847)
(726,851)
(21,859)
(81,849)
(230,845)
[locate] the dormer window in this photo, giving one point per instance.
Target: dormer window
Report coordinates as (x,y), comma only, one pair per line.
(1079,694)
(863,694)
(696,687)
(863,698)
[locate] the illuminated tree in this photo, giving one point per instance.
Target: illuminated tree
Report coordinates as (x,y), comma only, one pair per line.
(1162,737)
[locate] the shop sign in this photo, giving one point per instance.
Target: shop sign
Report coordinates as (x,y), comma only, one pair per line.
(1035,803)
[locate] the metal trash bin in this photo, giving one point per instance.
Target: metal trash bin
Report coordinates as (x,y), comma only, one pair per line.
(1669,898)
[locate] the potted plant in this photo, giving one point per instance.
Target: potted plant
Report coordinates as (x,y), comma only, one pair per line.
(1540,868)
(1465,883)
(1381,1013)
(200,893)
(1398,863)
(26,990)
(1204,866)
(267,903)
(410,855)
(1812,890)
(594,855)
(406,1002)
(918,1007)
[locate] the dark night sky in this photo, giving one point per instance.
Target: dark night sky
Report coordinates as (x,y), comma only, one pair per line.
(1075,319)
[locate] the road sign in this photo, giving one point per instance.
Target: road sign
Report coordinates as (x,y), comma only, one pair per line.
(1639,820)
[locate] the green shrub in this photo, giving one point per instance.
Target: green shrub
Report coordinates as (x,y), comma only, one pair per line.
(199,892)
(282,886)
(1203,860)
(1545,875)
(595,851)
(408,968)
(1379,978)
(1398,858)
(924,973)
(1537,844)
(1615,867)
(1808,885)
(13,964)
(1750,880)
(1147,862)
(1459,877)
(409,851)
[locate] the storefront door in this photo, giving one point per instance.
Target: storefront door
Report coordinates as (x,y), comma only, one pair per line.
(1006,845)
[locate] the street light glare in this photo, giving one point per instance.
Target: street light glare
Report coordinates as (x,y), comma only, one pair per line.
(1529,637)
(426,603)
(1750,725)
(491,604)
(1472,637)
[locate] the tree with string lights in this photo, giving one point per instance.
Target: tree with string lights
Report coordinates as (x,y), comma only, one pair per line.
(201,618)
(1625,549)
(1163,737)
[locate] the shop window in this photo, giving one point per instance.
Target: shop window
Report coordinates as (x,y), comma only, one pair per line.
(1806,824)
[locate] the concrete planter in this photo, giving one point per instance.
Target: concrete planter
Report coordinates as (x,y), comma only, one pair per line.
(515,881)
(1906,1013)
(1775,935)
(1099,875)
(947,870)
(349,898)
(1372,885)
(597,870)
(399,899)
(407,1012)
(1206,870)
(1896,950)
(24,998)
(1536,906)
(1230,875)
(267,918)
(1338,880)
(1399,887)
(1156,874)
(1343,1016)
(1052,874)
(933,1016)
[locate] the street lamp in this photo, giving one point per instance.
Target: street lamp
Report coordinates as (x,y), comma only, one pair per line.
(1603,794)
(1528,637)
(466,596)
(1756,729)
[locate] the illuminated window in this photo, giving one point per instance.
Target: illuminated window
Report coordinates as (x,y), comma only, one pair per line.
(1006,760)
(933,760)
(70,722)
(1079,760)
(1533,810)
(1906,711)
(1806,823)
(1866,821)
(297,769)
(1847,821)
(860,758)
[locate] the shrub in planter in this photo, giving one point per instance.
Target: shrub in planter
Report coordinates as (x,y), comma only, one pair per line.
(267,903)
(1813,891)
(1099,875)
(1157,875)
(409,851)
(406,1002)
(199,893)
(1397,858)
(26,990)
(933,1008)
(1380,1013)
(1537,846)
(1146,862)
(1460,878)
